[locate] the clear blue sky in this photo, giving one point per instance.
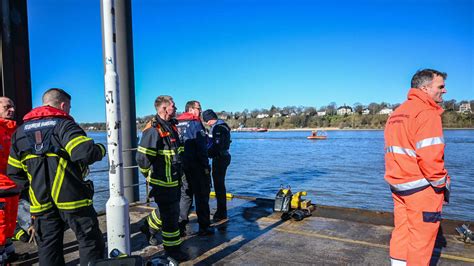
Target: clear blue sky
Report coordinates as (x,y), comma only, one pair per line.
(245,54)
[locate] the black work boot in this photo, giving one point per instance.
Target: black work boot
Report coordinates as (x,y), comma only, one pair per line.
(149,234)
(206,231)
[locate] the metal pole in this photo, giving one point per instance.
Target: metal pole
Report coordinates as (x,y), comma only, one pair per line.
(118,220)
(15,55)
(123,24)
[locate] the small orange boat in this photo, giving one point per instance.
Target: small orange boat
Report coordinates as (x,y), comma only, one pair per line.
(318,135)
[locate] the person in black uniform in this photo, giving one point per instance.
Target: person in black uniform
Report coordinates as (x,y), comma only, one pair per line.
(49,156)
(158,158)
(197,181)
(218,150)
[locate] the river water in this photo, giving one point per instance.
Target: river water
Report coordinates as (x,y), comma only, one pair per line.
(345,170)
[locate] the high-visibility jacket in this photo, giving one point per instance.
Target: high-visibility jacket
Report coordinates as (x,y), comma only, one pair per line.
(414,146)
(158,155)
(7,127)
(50,155)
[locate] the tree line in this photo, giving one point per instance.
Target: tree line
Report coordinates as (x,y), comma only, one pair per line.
(291,117)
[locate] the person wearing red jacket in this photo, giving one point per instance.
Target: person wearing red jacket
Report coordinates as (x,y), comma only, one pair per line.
(49,156)
(197,179)
(414,169)
(9,192)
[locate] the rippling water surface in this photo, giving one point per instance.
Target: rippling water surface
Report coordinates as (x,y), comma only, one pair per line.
(345,170)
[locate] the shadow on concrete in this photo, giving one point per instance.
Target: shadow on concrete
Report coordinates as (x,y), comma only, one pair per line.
(241,228)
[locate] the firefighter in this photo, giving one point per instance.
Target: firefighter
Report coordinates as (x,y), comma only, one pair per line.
(159,160)
(218,150)
(50,155)
(414,163)
(197,181)
(8,190)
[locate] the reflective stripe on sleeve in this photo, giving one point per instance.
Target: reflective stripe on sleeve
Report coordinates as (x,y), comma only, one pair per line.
(146,151)
(75,142)
(400,150)
(429,142)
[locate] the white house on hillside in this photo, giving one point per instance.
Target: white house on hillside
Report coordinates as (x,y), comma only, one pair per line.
(365,111)
(321,113)
(386,111)
(343,110)
(465,108)
(262,115)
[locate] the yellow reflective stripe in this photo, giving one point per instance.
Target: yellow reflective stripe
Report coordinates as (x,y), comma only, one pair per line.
(102,150)
(180,149)
(58,179)
(172,243)
(40,208)
(155,218)
(19,234)
(168,168)
(33,199)
(152,224)
(74,204)
(32,156)
(163,183)
(73,143)
(146,151)
(153,221)
(14,162)
(170,234)
(166,152)
(144,170)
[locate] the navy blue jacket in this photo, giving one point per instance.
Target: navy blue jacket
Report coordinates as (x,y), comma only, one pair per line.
(193,135)
(219,141)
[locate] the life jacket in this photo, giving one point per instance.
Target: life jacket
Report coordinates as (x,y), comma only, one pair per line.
(414,146)
(194,138)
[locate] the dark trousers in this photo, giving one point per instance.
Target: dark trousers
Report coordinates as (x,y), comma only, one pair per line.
(168,199)
(219,169)
(50,233)
(198,185)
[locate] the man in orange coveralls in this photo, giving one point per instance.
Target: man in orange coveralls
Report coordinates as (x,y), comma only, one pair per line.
(414,168)
(9,193)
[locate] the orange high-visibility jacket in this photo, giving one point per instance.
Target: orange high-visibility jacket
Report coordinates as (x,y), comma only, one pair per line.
(414,146)
(7,127)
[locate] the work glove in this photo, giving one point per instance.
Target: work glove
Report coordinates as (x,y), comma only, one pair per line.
(102,148)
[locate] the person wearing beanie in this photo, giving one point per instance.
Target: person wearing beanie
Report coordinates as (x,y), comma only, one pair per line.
(218,150)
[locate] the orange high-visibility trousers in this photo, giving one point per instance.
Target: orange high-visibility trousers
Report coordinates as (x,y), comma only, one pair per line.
(417,219)
(8,213)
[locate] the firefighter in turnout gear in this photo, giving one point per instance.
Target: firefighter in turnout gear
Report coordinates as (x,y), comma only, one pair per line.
(49,157)
(414,169)
(218,150)
(159,160)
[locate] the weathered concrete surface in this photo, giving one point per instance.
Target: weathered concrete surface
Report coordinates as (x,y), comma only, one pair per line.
(255,235)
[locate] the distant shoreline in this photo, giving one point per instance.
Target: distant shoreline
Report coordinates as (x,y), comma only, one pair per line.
(344,129)
(319,128)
